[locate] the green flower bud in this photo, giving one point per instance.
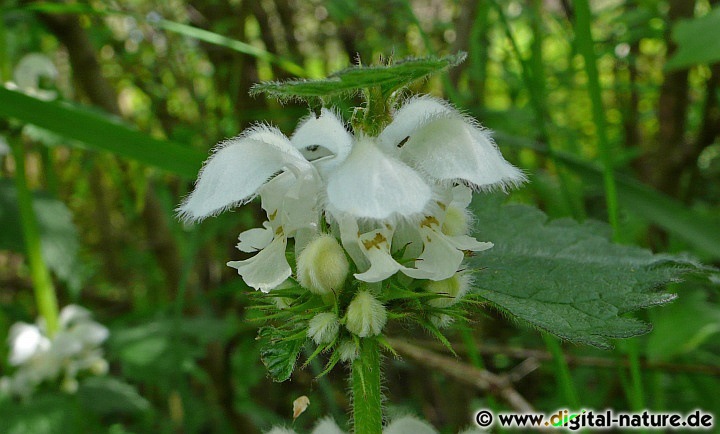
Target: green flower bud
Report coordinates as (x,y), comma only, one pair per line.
(451,289)
(366,316)
(347,351)
(323,328)
(322,267)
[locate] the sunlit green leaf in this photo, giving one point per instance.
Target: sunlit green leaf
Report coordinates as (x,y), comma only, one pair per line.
(387,77)
(567,278)
(99,131)
(697,41)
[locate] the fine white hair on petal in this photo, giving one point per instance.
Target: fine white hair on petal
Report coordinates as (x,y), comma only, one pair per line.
(407,425)
(448,148)
(373,185)
(237,169)
(326,131)
(411,115)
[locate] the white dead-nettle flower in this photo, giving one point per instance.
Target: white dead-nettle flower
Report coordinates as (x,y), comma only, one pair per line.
(74,349)
(371,189)
(402,425)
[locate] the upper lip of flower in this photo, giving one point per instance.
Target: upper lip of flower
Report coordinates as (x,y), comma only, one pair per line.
(376,178)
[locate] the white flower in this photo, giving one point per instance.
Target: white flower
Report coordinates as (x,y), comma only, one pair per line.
(73,349)
(402,425)
(368,187)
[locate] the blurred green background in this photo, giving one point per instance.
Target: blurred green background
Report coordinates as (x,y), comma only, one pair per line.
(138,92)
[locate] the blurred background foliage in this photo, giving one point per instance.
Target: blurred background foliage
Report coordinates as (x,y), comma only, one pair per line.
(137,92)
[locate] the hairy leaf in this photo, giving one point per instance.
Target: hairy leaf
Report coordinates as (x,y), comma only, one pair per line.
(387,77)
(279,351)
(566,277)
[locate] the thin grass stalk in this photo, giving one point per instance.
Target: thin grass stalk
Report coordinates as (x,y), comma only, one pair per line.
(45,296)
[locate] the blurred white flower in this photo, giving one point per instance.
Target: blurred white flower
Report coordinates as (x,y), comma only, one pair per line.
(74,349)
(402,425)
(29,72)
(369,188)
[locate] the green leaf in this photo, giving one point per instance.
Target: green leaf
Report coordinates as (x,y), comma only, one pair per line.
(683,326)
(697,41)
(279,352)
(567,278)
(97,130)
(58,234)
(45,413)
(387,77)
(109,396)
(702,230)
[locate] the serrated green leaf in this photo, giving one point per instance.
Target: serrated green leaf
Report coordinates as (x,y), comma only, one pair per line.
(58,234)
(387,77)
(279,352)
(566,277)
(694,40)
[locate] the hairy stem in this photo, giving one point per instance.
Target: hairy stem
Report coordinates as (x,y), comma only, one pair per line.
(367,399)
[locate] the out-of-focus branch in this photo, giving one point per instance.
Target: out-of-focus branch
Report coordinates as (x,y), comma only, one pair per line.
(597,362)
(482,379)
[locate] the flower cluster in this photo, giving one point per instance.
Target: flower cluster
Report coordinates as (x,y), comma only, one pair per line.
(73,350)
(377,207)
(402,425)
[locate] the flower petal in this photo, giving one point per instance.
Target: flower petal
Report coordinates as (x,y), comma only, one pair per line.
(371,184)
(409,424)
(376,247)
(327,426)
(323,136)
(292,202)
(415,112)
(255,239)
(266,270)
(446,145)
(440,258)
(239,167)
(451,148)
(25,340)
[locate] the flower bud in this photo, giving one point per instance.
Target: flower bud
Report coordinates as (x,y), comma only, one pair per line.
(322,266)
(366,316)
(451,289)
(348,351)
(456,221)
(323,328)
(69,385)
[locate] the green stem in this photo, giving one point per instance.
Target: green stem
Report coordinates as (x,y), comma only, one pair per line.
(562,372)
(584,41)
(45,296)
(367,399)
